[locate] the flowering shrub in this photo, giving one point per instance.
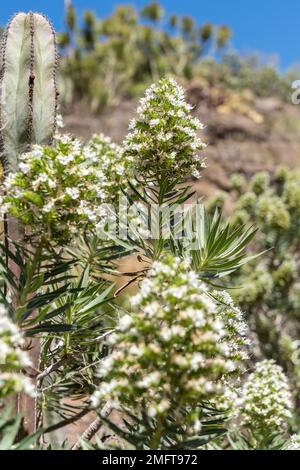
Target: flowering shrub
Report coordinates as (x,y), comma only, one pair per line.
(12,359)
(58,191)
(172,352)
(172,357)
(266,401)
(163,140)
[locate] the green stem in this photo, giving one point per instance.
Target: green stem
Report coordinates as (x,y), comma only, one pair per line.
(157,434)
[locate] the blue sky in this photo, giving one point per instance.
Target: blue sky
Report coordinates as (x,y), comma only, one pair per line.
(270,27)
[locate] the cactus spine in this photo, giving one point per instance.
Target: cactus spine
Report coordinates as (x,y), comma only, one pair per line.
(28,92)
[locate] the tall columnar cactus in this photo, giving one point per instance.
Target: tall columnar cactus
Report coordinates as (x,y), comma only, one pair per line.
(28,92)
(28,105)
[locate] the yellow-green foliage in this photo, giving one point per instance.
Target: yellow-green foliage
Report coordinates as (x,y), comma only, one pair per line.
(270,296)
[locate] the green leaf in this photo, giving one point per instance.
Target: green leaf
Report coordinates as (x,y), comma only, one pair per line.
(100,299)
(29,441)
(10,432)
(50,328)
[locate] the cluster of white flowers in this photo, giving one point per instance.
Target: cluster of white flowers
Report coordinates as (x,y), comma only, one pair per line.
(12,359)
(108,158)
(265,401)
(163,140)
(294,443)
(61,190)
(175,348)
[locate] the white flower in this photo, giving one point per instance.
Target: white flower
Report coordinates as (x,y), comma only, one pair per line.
(65,159)
(153,122)
(48,207)
(197,360)
(165,334)
(13,358)
(150,380)
(132,124)
(105,366)
(51,183)
(73,192)
(136,351)
(24,167)
(125,323)
(151,411)
(294,443)
(151,309)
(43,177)
(95,399)
(37,151)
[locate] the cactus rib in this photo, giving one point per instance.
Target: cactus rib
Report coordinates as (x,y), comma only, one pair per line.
(28,90)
